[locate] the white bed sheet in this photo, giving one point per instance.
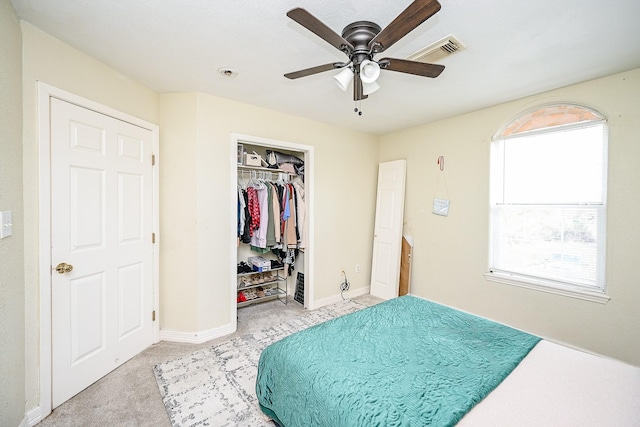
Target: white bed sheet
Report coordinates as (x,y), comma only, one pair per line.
(559,386)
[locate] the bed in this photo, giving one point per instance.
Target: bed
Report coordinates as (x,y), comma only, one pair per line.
(412,362)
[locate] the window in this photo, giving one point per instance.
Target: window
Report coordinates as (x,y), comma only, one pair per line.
(548,202)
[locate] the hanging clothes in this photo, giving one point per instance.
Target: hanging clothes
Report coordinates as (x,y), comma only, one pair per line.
(271,216)
(271,233)
(275,205)
(267,211)
(302,213)
(291,237)
(254,209)
(289,260)
(285,212)
(241,212)
(246,232)
(259,237)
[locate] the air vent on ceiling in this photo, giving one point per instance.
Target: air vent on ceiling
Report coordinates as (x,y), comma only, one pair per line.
(438,50)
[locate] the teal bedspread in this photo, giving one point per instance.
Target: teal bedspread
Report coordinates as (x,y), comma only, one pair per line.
(404,362)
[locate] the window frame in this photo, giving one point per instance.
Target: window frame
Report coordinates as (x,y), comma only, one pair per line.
(496,181)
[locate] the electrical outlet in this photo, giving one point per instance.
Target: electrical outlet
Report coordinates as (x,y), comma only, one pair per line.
(357,268)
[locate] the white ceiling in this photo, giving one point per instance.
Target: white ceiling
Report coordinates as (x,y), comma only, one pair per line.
(515,48)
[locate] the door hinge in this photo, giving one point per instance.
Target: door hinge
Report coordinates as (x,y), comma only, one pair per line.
(153,316)
(153,237)
(153,160)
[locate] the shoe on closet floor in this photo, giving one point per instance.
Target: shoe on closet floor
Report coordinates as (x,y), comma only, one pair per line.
(243,267)
(244,282)
(241,297)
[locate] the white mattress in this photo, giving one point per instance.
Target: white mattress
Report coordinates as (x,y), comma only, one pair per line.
(559,386)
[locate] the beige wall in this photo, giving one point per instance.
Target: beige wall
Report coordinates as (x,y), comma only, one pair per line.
(178,207)
(195,176)
(12,366)
(50,61)
(450,254)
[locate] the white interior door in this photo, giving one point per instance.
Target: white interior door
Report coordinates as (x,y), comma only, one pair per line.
(387,239)
(101,238)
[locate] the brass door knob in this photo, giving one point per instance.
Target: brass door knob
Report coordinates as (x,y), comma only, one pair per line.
(64,268)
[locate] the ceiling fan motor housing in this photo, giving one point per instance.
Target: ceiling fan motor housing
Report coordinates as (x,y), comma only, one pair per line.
(360,34)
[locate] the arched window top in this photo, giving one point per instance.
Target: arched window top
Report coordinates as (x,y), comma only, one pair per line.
(549,116)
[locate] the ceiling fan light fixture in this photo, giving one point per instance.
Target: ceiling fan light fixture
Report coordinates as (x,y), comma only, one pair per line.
(343,78)
(369,71)
(369,88)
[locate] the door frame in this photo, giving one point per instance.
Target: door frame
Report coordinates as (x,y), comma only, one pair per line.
(309,257)
(45,92)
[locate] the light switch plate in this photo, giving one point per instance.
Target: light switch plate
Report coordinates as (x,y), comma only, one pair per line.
(6,228)
(441,207)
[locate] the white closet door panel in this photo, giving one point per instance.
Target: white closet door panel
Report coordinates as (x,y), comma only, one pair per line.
(102,218)
(387,240)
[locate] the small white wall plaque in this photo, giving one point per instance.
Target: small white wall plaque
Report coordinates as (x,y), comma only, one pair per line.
(441,207)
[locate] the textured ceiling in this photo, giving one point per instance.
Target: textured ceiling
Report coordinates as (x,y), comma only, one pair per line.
(514,49)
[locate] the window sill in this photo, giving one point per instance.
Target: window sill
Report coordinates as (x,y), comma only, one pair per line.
(573,292)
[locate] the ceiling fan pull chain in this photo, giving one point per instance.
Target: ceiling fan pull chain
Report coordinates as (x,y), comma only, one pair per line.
(358,108)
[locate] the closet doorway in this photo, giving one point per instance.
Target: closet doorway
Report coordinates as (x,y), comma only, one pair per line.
(305,261)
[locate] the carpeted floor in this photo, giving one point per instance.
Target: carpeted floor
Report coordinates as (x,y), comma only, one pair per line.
(129,396)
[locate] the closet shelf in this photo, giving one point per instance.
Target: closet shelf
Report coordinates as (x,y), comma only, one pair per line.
(251,273)
(277,293)
(260,168)
(271,282)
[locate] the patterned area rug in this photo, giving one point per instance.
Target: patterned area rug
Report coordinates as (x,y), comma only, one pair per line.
(215,386)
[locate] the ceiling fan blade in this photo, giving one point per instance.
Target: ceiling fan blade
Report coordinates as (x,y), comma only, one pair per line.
(313,24)
(358,94)
(414,15)
(411,67)
(312,70)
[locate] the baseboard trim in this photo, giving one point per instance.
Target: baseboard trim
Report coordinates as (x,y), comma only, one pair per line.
(32,417)
(337,298)
(204,336)
(195,337)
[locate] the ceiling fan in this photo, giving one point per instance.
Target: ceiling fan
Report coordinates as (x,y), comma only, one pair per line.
(361,41)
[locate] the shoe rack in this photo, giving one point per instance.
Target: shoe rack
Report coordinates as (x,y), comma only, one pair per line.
(256,287)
